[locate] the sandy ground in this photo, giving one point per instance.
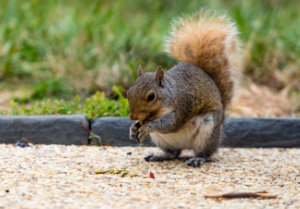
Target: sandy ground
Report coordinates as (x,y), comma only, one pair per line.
(55,176)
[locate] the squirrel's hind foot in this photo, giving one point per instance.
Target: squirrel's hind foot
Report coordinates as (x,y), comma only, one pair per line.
(168,155)
(196,161)
(159,157)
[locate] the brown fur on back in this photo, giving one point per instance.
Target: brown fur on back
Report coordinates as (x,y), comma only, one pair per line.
(209,41)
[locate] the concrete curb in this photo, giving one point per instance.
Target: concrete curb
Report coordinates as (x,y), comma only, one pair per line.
(238,132)
(115,131)
(45,129)
(67,129)
(262,132)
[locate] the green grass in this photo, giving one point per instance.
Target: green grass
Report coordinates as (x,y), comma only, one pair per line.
(58,49)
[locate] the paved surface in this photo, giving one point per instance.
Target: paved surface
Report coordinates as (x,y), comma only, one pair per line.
(58,176)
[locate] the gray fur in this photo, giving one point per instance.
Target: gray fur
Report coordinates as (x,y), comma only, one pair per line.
(188,105)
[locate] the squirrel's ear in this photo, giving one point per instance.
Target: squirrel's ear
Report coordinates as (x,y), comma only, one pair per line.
(139,71)
(160,76)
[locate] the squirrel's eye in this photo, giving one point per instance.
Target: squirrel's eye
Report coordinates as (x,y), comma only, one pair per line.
(151,97)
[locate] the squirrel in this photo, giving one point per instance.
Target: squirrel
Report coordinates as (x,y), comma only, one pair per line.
(184,107)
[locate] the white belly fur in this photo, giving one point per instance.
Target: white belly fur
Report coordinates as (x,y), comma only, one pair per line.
(193,135)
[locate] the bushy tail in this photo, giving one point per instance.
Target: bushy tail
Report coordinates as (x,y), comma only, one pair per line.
(209,41)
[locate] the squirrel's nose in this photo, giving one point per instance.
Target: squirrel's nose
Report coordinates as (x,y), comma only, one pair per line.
(132,117)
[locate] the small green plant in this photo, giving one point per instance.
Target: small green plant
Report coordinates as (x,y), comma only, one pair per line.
(98,105)
(92,136)
(95,106)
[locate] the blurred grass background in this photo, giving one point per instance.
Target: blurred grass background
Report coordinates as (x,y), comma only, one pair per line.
(59,49)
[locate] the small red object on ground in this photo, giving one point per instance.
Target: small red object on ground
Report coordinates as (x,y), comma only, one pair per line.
(152,175)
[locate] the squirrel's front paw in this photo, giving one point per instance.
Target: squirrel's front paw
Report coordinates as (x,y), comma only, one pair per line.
(144,131)
(134,131)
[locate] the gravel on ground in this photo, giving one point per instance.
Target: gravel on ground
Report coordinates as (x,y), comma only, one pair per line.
(57,176)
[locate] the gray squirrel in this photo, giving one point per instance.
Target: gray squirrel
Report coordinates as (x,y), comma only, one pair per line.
(184,107)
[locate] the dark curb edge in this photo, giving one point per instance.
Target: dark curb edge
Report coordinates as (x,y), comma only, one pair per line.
(238,132)
(68,129)
(44,129)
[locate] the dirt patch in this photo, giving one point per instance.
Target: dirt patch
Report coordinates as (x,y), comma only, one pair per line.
(253,100)
(5,97)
